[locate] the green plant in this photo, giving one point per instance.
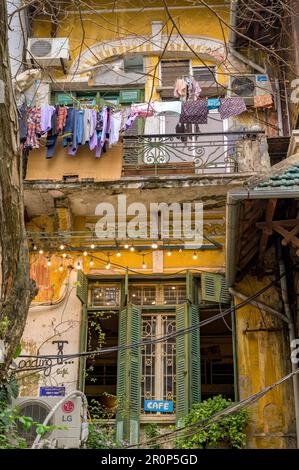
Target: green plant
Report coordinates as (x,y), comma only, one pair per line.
(102,437)
(228,430)
(10,423)
(151,431)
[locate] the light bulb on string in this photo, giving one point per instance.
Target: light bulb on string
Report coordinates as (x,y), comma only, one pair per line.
(169,253)
(62,246)
(143,263)
(78,266)
(108,264)
(154,246)
(180,250)
(41,252)
(64,255)
(194,255)
(85,253)
(49,262)
(91,262)
(34,247)
(60,268)
(92,246)
(126,246)
(118,254)
(132,248)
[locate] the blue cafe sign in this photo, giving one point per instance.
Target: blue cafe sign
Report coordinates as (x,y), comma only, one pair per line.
(156,406)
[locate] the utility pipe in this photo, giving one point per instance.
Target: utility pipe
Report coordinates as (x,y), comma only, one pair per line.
(292,337)
(259,304)
(84,425)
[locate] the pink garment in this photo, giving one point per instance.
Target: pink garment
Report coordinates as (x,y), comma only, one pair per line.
(194,90)
(180,88)
(143,110)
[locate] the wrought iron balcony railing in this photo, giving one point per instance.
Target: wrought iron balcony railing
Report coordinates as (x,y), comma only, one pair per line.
(229,152)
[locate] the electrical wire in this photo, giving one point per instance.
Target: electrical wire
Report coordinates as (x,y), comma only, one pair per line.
(160,339)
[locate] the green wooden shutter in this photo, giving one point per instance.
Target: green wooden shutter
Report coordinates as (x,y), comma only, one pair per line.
(121,418)
(213,288)
(82,294)
(194,358)
(135,374)
(182,365)
(82,286)
(189,287)
(187,361)
(129,375)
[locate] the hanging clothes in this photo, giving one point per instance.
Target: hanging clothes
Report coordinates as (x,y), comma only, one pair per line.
(94,138)
(231,107)
(67,135)
(167,107)
(114,128)
(213,103)
(77,131)
(195,112)
(263,101)
(88,125)
(34,129)
(23,124)
(46,117)
(61,118)
(194,90)
(52,135)
(103,124)
(180,88)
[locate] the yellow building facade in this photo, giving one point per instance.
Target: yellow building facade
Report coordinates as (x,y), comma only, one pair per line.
(92,290)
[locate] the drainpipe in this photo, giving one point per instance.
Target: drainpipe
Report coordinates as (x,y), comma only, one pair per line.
(292,335)
(233,37)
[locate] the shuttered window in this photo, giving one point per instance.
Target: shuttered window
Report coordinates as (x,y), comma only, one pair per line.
(214,289)
(204,74)
(173,69)
(128,375)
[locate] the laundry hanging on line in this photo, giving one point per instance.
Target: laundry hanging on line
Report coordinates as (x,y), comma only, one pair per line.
(76,126)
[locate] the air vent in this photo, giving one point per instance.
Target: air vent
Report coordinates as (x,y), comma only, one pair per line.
(38,411)
(41,48)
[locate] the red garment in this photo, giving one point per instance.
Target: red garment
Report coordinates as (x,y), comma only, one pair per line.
(61,118)
(34,129)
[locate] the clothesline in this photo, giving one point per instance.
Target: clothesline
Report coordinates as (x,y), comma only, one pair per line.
(97,128)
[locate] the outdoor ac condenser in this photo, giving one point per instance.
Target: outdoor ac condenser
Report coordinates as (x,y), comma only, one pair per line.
(68,414)
(248,85)
(48,52)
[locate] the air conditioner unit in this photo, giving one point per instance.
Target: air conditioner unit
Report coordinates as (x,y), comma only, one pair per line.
(249,86)
(68,414)
(48,52)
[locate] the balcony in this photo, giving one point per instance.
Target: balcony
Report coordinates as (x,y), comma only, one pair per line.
(195,154)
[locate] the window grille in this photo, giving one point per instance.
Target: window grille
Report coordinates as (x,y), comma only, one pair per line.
(105,296)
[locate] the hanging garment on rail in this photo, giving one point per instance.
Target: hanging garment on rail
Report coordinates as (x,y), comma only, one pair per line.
(115,125)
(263,101)
(231,107)
(195,112)
(46,117)
(34,129)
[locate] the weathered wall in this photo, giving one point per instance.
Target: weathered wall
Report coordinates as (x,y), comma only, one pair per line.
(47,323)
(264,358)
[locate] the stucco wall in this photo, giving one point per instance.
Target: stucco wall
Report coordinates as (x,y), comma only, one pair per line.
(264,358)
(47,323)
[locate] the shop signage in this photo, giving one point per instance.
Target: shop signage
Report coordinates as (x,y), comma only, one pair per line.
(156,406)
(52,391)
